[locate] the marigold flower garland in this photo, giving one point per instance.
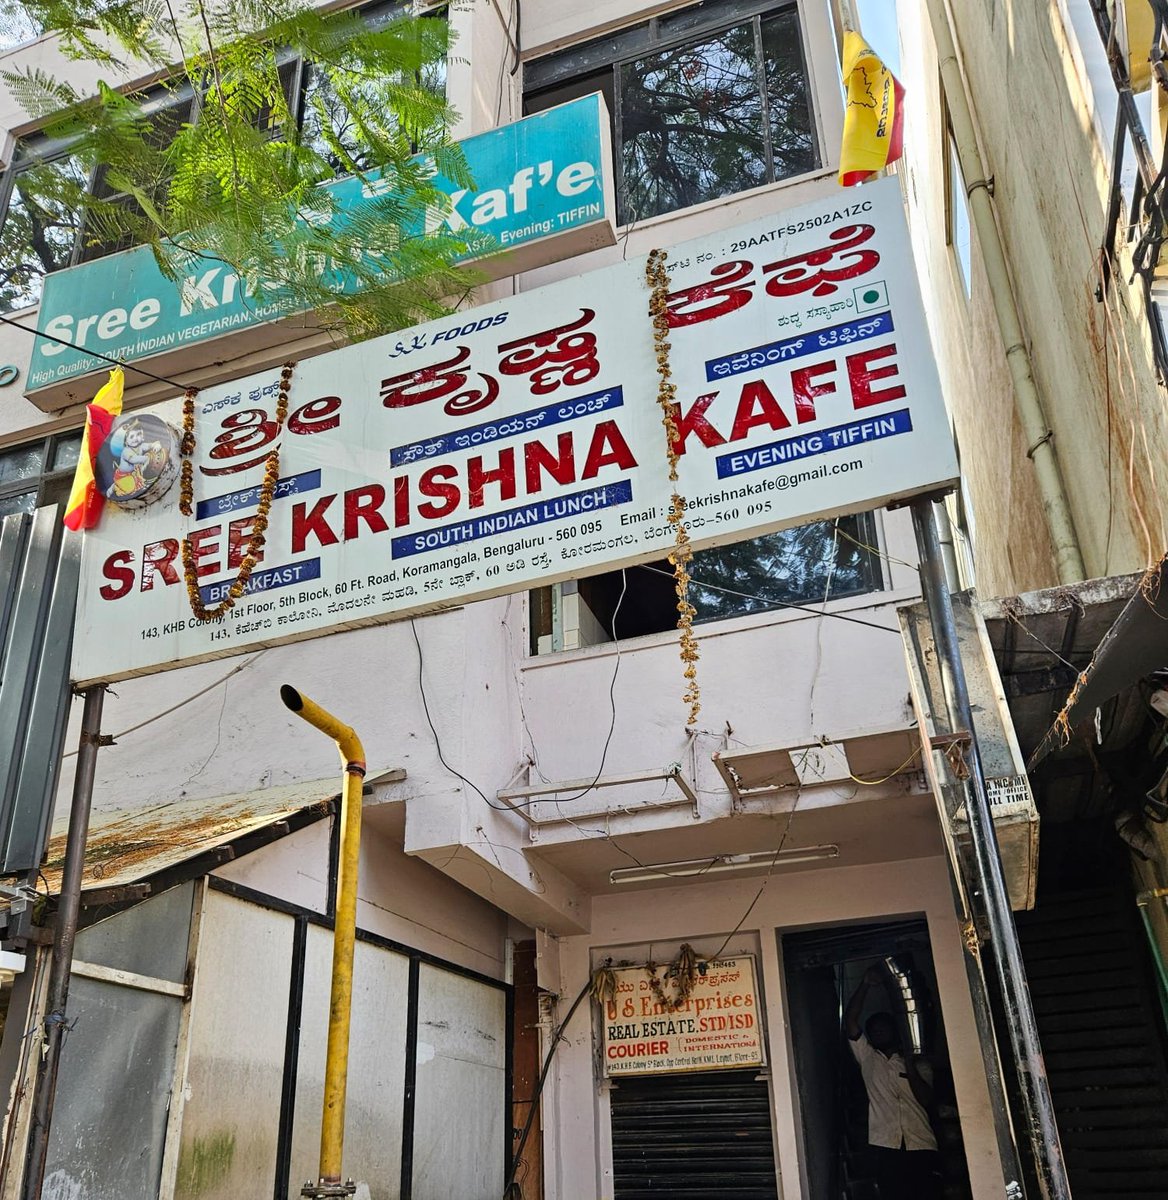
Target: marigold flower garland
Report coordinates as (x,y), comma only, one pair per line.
(255,542)
(657,277)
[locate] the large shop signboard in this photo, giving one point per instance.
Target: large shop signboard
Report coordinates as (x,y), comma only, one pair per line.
(542,191)
(717,1026)
(522,443)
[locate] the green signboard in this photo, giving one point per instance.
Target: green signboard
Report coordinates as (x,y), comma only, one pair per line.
(536,181)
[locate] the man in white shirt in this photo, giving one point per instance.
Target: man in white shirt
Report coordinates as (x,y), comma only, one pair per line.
(899,1093)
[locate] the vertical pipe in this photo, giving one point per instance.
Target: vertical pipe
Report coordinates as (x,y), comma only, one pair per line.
(336,1067)
(68,907)
(989,880)
(336,1074)
(1027,398)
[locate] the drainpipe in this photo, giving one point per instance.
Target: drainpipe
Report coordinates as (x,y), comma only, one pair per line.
(1142,901)
(336,1068)
(1027,400)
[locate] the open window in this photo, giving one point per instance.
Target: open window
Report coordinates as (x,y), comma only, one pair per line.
(807,565)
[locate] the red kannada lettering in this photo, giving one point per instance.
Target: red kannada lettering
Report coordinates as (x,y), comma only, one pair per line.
(560,352)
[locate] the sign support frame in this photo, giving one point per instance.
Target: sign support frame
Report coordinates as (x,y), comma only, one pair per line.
(64,935)
(989,878)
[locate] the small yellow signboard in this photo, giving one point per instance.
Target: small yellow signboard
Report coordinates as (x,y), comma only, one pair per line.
(717,1026)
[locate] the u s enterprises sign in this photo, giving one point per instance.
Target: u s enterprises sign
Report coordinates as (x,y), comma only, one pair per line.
(543,192)
(521,443)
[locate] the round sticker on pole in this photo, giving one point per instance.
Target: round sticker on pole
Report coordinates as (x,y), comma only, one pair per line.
(138,462)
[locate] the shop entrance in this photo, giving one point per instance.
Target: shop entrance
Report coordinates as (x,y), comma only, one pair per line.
(824,970)
(694,1134)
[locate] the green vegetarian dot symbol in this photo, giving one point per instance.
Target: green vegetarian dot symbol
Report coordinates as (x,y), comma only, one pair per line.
(871,296)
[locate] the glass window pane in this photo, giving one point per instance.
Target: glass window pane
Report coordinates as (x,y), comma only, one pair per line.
(797,566)
(22,463)
(39,229)
(691,123)
(66,451)
(24,503)
(792,139)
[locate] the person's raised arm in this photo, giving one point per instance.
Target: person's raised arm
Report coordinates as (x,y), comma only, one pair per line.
(873,977)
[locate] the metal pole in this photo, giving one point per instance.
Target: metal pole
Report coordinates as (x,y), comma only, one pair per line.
(68,906)
(332,1125)
(1038,1109)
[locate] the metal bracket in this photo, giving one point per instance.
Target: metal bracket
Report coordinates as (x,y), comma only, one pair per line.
(97,739)
(328,1191)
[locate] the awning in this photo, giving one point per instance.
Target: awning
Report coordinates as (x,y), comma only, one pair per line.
(127,846)
(1134,646)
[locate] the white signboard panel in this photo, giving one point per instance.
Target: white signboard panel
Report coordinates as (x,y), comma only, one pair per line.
(521,442)
(717,1026)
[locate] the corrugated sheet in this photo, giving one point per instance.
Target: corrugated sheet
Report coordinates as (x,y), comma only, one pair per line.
(38,593)
(127,845)
(694,1135)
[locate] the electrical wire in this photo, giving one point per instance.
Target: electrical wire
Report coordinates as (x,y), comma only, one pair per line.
(175,707)
(762,887)
(611,695)
(117,362)
(510,1191)
(438,742)
(815,612)
(893,775)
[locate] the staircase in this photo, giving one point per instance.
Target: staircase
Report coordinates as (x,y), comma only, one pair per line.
(1103,1040)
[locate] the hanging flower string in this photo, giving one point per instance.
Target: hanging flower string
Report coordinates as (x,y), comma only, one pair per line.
(255,543)
(657,277)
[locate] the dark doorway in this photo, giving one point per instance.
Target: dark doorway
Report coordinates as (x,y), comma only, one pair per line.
(823,969)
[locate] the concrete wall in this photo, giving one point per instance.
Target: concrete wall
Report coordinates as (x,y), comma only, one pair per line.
(1042,105)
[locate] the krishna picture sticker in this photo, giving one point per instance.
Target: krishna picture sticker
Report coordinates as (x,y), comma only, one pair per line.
(138,462)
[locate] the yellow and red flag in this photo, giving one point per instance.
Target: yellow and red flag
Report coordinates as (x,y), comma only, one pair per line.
(85,501)
(873,116)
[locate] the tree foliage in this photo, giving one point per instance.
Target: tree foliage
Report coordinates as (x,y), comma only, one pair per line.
(226,158)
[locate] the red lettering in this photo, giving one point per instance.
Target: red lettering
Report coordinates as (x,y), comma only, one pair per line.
(364,504)
(401,501)
(607,448)
(806,391)
(239,541)
(307,524)
(537,457)
(446,493)
(202,546)
(757,396)
(117,569)
(861,376)
(695,421)
(477,479)
(158,559)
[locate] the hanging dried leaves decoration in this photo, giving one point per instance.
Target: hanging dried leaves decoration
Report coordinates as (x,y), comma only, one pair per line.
(682,974)
(255,542)
(657,277)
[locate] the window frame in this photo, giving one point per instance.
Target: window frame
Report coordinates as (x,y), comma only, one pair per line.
(36,149)
(48,479)
(551,599)
(709,18)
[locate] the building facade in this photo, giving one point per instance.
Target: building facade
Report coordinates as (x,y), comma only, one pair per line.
(537,812)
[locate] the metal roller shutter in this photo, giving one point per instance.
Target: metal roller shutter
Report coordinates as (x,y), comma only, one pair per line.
(695,1135)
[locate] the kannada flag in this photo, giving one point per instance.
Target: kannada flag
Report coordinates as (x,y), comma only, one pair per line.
(873,116)
(85,502)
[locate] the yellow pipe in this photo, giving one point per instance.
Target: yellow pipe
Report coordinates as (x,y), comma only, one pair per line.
(336,1069)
